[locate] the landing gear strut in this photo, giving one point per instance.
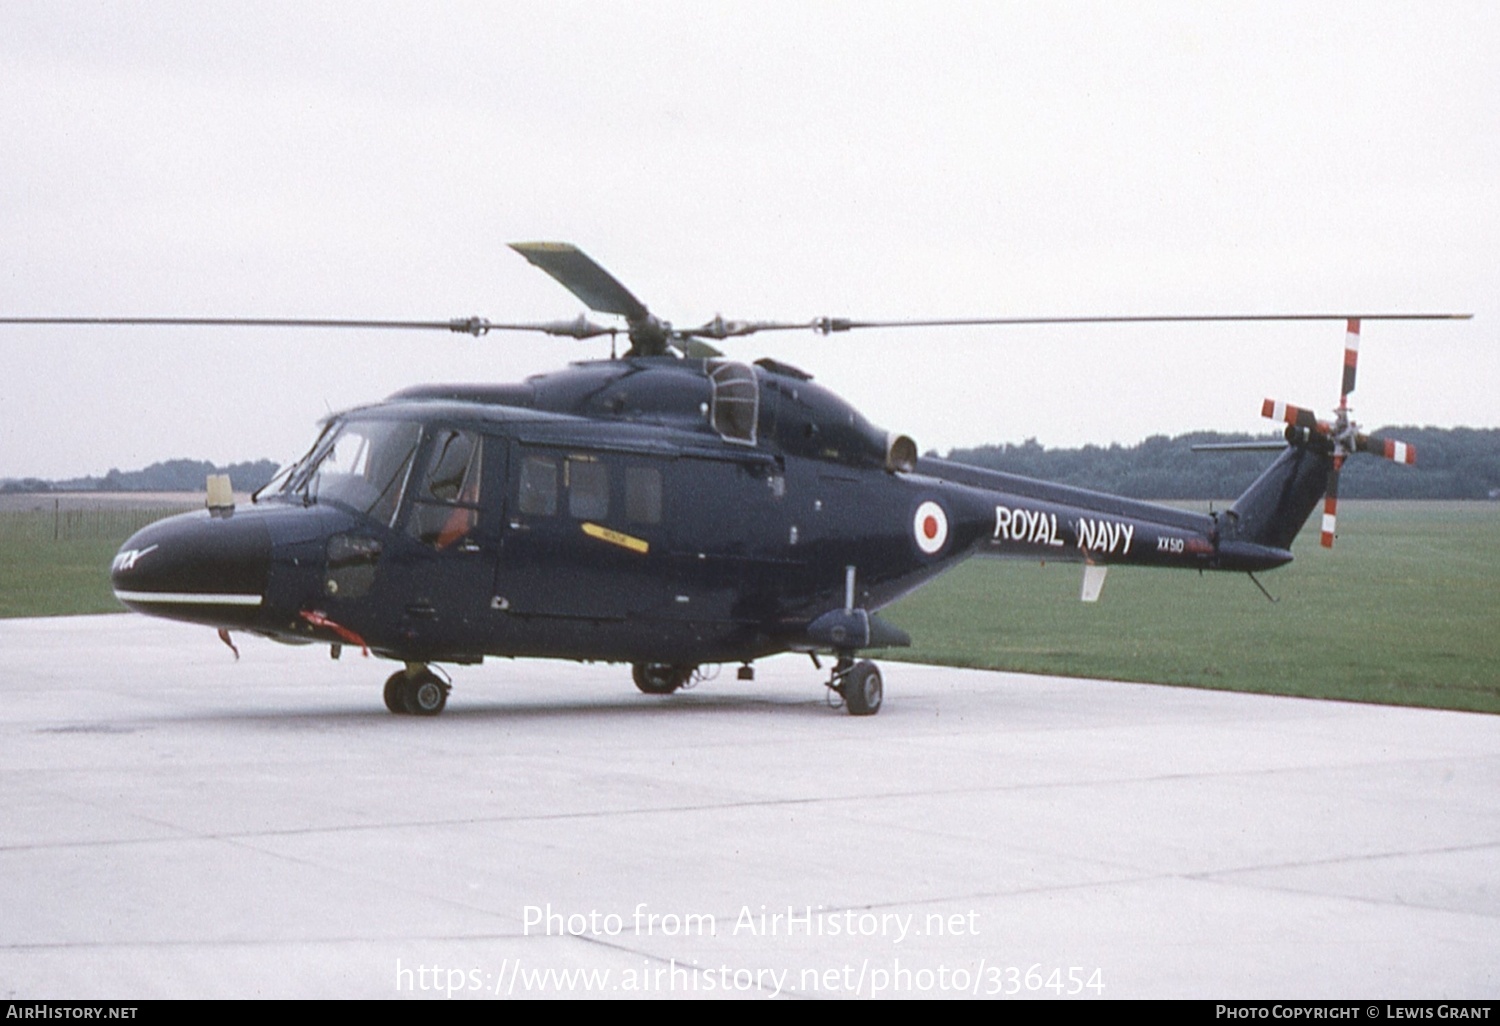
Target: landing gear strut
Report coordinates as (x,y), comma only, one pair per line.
(859,684)
(416,691)
(660,678)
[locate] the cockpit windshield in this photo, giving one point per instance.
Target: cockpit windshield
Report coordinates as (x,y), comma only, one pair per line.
(362,464)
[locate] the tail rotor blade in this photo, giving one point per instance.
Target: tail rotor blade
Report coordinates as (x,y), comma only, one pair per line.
(1294,415)
(1397,452)
(1331,504)
(1351,358)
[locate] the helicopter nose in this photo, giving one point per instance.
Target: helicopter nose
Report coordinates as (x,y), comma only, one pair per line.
(198,567)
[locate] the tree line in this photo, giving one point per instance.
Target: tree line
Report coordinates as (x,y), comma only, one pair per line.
(168,476)
(1452,463)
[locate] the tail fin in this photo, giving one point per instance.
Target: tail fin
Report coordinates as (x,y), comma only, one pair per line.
(1277,505)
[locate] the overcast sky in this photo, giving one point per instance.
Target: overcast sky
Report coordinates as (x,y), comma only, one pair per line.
(763,160)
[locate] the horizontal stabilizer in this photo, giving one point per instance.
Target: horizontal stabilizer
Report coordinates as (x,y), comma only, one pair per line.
(1265,445)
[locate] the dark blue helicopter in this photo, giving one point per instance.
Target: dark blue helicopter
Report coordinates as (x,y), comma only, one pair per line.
(669,509)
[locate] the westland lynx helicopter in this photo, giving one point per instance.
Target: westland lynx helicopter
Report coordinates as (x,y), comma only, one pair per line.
(669,509)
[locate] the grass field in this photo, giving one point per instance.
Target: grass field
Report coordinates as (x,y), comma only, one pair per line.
(1405,610)
(54,557)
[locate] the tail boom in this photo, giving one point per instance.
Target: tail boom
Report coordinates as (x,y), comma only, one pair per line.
(1031,519)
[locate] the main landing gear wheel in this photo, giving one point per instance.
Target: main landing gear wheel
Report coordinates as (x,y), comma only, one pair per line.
(660,678)
(392,693)
(421,694)
(862,689)
(426,694)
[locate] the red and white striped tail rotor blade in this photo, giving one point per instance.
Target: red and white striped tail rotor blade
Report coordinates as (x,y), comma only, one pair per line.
(1397,452)
(1290,414)
(1331,504)
(1351,359)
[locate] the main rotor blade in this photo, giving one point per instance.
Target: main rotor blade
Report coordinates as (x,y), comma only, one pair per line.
(581,327)
(239,322)
(693,349)
(830,325)
(580,275)
(719,328)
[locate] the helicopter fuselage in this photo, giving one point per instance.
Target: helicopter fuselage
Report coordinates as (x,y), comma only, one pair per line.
(646,510)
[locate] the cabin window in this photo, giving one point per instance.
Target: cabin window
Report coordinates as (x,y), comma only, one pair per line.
(538,486)
(735,403)
(643,495)
(447,495)
(588,488)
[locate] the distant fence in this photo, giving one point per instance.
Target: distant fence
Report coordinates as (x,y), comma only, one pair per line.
(104,522)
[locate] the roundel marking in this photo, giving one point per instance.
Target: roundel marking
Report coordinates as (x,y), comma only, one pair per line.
(930,527)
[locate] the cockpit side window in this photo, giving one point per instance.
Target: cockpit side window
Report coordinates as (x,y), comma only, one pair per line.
(735,404)
(453,469)
(445,505)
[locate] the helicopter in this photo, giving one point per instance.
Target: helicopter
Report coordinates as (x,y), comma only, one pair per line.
(670,509)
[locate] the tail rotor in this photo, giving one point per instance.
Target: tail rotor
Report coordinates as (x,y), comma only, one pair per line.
(1341,435)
